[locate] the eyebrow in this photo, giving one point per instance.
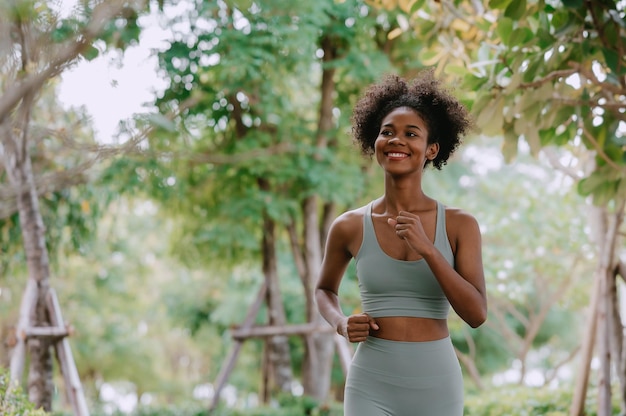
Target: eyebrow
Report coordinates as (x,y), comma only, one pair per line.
(409,126)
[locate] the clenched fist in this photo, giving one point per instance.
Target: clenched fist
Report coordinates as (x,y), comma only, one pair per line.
(356,328)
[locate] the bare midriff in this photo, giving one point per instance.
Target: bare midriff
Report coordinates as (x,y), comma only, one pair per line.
(405,328)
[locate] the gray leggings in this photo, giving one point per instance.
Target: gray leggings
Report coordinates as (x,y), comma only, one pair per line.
(393,378)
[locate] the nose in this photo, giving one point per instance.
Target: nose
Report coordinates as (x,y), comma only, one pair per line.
(394,139)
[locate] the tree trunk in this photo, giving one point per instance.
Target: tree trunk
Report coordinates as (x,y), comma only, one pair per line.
(582,378)
(33,308)
(278,346)
(604,350)
(608,260)
(621,335)
(319,347)
(605,232)
(317,366)
(615,329)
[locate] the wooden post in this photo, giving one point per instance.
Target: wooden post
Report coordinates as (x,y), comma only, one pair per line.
(274,330)
(266,369)
(18,354)
(58,333)
(234,352)
(248,330)
(63,350)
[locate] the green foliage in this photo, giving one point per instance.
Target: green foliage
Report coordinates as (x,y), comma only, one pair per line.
(190,409)
(536,71)
(15,404)
(255,73)
(548,84)
(506,400)
(72,206)
(285,405)
(288,405)
(535,252)
(526,401)
(248,149)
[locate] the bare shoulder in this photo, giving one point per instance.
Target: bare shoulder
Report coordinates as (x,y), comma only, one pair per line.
(462,228)
(348,222)
(457,218)
(347,230)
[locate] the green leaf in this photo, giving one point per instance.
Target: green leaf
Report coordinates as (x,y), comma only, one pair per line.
(621,189)
(612,59)
(563,21)
(455,70)
(516,9)
(499,4)
(490,118)
(426,55)
(533,68)
(520,36)
(602,181)
(587,185)
(573,4)
(474,83)
(547,136)
(603,194)
(509,145)
(504,29)
(532,138)
(416,6)
(90,53)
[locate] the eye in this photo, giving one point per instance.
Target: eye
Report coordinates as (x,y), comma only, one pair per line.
(386,133)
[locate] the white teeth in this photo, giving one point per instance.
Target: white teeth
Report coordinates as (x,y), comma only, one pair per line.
(396,154)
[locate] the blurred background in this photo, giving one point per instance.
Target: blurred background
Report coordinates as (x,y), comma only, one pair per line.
(170,170)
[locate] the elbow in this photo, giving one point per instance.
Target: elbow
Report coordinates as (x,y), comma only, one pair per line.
(478,318)
(476,323)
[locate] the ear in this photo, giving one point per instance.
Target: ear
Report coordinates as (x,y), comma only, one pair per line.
(432,151)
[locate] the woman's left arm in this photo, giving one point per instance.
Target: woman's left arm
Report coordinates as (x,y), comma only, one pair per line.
(463,284)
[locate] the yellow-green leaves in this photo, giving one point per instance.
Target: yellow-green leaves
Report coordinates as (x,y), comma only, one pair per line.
(516,9)
(604,184)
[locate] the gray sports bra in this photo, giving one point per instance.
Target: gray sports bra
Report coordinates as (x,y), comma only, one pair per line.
(392,287)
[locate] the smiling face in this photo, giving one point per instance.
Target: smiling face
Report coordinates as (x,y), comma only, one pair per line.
(402,142)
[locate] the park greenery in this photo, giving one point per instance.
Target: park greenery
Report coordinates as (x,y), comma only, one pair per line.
(176,244)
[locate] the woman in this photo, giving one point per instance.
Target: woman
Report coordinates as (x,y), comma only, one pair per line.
(414,258)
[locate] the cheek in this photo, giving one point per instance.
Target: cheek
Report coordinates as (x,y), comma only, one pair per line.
(378,149)
(379,143)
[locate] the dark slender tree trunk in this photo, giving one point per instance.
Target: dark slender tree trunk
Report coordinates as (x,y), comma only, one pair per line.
(319,347)
(605,233)
(33,309)
(279,355)
(616,337)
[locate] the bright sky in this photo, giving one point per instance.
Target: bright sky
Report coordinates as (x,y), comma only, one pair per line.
(111,91)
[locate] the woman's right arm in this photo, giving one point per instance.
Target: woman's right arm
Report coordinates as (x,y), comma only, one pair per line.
(337,256)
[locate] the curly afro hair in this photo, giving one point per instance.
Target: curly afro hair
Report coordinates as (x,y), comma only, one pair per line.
(448,121)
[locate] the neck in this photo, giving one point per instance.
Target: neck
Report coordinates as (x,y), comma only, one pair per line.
(407,196)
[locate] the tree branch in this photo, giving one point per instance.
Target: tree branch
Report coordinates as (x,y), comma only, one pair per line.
(598,148)
(554,161)
(15,92)
(563,73)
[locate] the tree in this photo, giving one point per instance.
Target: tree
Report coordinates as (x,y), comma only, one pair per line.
(37,46)
(279,82)
(552,74)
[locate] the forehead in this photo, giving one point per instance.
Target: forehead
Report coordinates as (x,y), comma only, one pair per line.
(403,115)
